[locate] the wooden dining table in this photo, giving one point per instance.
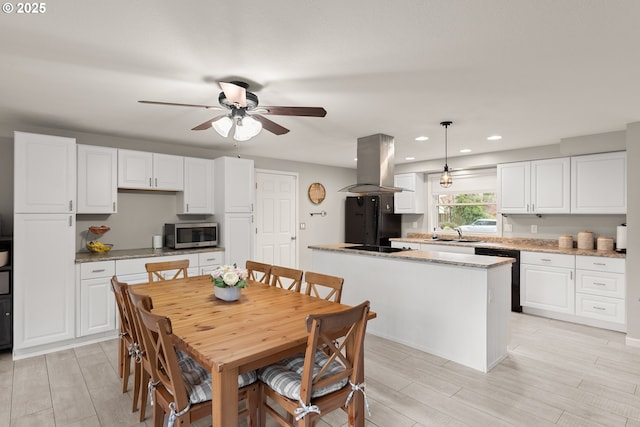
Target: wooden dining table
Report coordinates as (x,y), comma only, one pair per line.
(229,338)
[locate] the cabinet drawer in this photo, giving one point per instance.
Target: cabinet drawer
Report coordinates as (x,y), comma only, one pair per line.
(93,270)
(211,258)
(599,283)
(601,308)
(597,263)
(551,260)
(136,265)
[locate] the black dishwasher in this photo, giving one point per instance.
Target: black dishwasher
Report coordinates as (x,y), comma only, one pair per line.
(515,272)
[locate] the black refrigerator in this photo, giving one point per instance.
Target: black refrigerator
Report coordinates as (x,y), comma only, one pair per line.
(369,220)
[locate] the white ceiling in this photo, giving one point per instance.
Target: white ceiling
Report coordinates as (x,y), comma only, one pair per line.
(531,71)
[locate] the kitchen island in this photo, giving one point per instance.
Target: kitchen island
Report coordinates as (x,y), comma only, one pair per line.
(455,306)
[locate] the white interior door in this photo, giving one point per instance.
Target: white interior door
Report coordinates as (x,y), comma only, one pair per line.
(276,201)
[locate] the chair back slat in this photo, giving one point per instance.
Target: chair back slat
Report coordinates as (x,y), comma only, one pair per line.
(286,278)
(155,269)
(323,286)
(258,271)
(121,292)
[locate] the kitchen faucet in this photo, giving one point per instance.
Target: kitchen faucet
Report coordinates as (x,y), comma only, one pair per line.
(459,232)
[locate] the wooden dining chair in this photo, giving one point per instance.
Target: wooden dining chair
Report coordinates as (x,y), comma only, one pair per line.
(323,378)
(128,345)
(323,286)
(155,269)
(286,278)
(182,387)
(140,388)
(258,271)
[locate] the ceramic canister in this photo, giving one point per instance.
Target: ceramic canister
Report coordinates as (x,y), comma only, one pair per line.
(585,240)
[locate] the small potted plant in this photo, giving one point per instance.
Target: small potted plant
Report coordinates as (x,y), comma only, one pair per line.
(227,281)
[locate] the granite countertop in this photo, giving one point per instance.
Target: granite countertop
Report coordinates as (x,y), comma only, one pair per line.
(86,256)
(533,245)
(463,260)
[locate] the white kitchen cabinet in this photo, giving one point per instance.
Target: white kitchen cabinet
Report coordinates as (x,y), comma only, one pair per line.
(133,270)
(150,171)
(434,247)
(599,183)
(539,186)
(44,279)
(547,282)
(237,233)
(97,179)
(44,174)
(234,184)
(209,261)
(601,289)
(412,201)
(197,197)
(97,304)
(401,244)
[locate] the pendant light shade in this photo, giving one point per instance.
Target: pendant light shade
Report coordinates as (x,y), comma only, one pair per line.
(445,179)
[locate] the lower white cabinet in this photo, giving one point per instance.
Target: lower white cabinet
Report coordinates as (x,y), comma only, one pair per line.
(410,245)
(601,288)
(209,261)
(547,281)
(133,271)
(44,280)
(97,302)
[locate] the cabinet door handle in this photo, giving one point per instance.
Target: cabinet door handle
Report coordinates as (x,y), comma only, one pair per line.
(533,207)
(114,206)
(100,270)
(210,259)
(187,207)
(595,307)
(527,207)
(70,205)
(150,184)
(70,221)
(602,264)
(571,275)
(156,182)
(545,260)
(7,314)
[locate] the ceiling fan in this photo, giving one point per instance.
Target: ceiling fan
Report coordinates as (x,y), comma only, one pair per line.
(245,113)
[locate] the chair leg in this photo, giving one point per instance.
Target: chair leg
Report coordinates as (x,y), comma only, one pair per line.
(137,367)
(158,413)
(261,402)
(121,356)
(144,394)
(126,370)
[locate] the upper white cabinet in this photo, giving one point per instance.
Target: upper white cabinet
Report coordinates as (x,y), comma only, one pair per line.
(599,183)
(197,197)
(234,184)
(539,186)
(409,202)
(150,171)
(44,173)
(97,179)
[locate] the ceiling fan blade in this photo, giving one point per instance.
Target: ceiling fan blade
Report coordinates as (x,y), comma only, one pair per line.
(272,127)
(207,124)
(294,111)
(234,93)
(207,107)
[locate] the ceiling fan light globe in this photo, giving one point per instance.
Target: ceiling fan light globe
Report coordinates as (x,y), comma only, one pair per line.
(247,129)
(223,126)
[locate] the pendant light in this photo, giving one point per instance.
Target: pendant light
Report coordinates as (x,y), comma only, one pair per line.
(445,179)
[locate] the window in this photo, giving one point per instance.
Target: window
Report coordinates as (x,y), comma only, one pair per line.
(470,203)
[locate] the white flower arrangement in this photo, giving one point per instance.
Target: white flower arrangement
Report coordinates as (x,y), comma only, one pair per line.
(228,276)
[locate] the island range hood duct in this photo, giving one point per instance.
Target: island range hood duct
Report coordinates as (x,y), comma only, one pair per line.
(376,155)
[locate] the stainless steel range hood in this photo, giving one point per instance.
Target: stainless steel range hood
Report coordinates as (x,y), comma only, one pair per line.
(376,156)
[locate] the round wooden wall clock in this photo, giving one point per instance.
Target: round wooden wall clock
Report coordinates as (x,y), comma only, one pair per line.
(317,193)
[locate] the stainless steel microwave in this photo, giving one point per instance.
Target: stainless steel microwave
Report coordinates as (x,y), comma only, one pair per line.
(183,235)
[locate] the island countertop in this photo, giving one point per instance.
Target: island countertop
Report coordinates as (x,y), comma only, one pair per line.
(466,260)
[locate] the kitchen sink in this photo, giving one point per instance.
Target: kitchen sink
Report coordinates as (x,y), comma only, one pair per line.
(453,240)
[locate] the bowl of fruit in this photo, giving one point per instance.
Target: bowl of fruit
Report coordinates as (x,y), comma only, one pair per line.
(99,247)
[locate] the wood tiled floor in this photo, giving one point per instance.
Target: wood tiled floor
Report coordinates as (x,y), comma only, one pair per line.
(556,374)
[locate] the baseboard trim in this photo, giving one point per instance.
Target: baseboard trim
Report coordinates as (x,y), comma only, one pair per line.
(632,342)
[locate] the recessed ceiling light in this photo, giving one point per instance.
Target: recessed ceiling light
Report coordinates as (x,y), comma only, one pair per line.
(422,138)
(494,137)
(410,158)
(465,150)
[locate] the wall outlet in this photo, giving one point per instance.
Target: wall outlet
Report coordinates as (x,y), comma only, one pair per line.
(508,228)
(534,228)
(303,226)
(415,224)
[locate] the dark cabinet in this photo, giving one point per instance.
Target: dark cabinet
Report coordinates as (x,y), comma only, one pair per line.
(6,296)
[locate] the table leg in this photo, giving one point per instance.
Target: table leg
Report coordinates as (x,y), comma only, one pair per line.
(224,406)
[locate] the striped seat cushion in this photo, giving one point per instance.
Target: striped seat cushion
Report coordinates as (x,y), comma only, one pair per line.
(197,379)
(285,376)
